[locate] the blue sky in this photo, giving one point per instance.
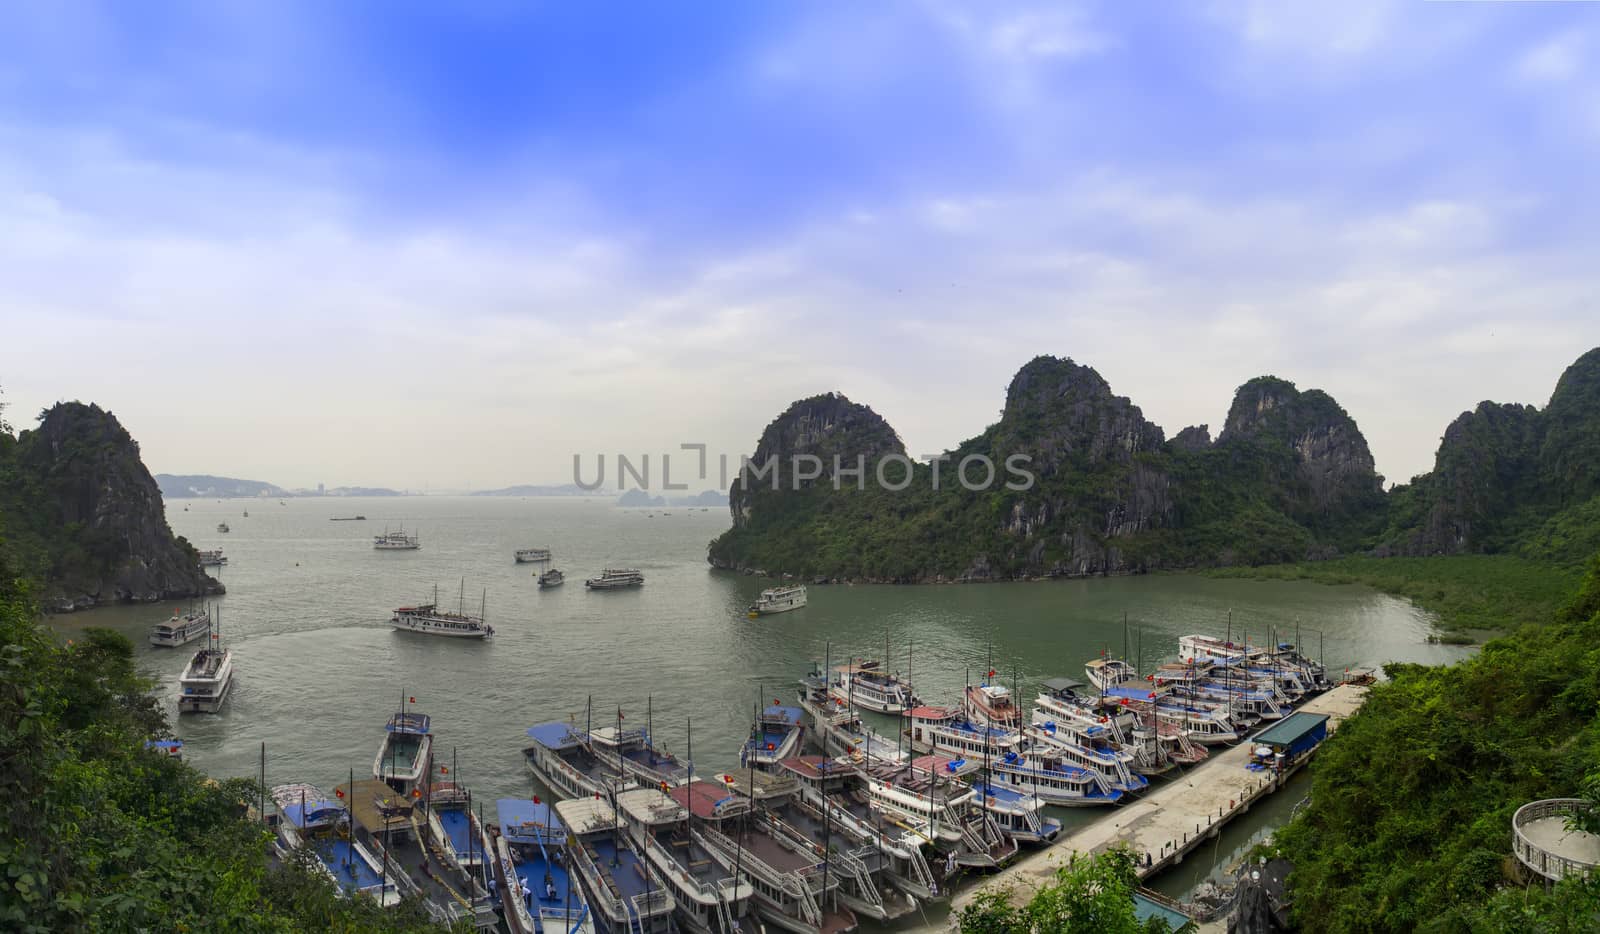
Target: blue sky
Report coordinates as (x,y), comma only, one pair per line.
(281,240)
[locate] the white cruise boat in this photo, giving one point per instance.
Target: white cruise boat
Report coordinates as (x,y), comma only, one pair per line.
(406,753)
(551,578)
(222,527)
(993,705)
(615,579)
(181,629)
(865,684)
(213,558)
(206,681)
(396,541)
(429,620)
(529,555)
(1104,673)
(778,600)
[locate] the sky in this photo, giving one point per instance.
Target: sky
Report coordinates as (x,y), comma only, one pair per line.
(450,246)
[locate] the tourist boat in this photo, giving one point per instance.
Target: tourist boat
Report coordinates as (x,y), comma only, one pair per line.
(171,748)
(1112,764)
(1206,723)
(307,817)
(1043,774)
(528,555)
(925,796)
(775,736)
(181,630)
(388,822)
(561,758)
(347,518)
(222,527)
(615,579)
(710,899)
(631,753)
(942,730)
(1061,705)
(213,558)
(623,894)
(457,835)
(396,541)
(1019,815)
(1104,673)
(992,705)
(247,513)
(206,680)
(531,850)
(778,600)
(429,620)
(819,833)
(865,684)
(406,753)
(551,578)
(840,731)
(838,788)
(792,889)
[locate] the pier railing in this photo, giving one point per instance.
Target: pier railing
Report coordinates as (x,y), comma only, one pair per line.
(1546,863)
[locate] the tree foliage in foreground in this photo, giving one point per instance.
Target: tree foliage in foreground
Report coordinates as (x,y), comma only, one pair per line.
(1089,896)
(98,833)
(1409,826)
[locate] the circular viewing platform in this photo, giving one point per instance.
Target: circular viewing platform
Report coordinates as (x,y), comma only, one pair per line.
(1543,843)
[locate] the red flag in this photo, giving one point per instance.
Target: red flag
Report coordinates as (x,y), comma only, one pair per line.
(413,700)
(776,702)
(444,770)
(597,796)
(416,792)
(619,713)
(991,672)
(339,792)
(535,799)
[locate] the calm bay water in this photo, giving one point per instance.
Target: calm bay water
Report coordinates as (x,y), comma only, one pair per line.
(319,671)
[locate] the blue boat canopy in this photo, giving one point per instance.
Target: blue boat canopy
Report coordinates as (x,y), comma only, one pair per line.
(316,812)
(408,723)
(555,735)
(164,745)
(524,822)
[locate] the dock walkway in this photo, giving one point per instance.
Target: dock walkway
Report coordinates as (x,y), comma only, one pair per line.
(1172,820)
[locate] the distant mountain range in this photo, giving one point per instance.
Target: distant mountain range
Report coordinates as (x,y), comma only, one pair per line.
(565,489)
(205,486)
(641,498)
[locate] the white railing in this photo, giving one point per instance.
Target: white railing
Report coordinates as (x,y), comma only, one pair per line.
(1540,860)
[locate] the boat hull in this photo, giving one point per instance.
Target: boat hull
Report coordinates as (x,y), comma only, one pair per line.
(400,624)
(211,703)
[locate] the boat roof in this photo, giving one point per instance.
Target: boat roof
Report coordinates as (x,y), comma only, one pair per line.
(376,806)
(782,712)
(556,734)
(651,806)
(763,785)
(523,821)
(1063,684)
(817,766)
(306,805)
(942,765)
(166,745)
(708,800)
(992,691)
(587,815)
(408,722)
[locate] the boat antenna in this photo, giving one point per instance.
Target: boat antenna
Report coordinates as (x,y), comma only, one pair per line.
(649,727)
(263,794)
(588,721)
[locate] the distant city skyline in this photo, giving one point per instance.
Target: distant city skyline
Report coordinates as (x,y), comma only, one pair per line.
(450,248)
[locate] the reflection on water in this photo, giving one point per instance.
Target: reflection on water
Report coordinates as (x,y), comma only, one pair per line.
(319,671)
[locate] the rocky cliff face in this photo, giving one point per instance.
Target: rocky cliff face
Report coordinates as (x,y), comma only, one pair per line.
(81,506)
(1333,466)
(825,427)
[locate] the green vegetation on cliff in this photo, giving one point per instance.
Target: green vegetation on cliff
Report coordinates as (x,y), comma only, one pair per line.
(1409,825)
(1093,895)
(84,517)
(100,834)
(1289,479)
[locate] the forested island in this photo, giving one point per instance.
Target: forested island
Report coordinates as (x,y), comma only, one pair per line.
(1289,478)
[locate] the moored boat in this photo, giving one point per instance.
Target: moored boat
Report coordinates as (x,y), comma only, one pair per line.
(531,555)
(213,558)
(865,684)
(623,893)
(406,754)
(561,758)
(532,846)
(551,578)
(778,600)
(775,736)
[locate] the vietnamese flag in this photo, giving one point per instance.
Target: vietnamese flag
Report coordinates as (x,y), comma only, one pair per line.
(412,700)
(535,799)
(339,792)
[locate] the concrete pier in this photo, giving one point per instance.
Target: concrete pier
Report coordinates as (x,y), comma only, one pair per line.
(1172,820)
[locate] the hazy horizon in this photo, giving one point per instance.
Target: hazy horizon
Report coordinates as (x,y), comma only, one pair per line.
(450,249)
